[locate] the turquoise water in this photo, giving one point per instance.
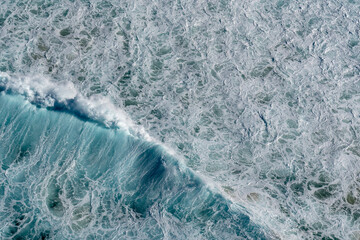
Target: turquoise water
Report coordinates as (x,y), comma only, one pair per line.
(66,178)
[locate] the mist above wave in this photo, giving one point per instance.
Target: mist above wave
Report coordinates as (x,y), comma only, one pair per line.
(63,95)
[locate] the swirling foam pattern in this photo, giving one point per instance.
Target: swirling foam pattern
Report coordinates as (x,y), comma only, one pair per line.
(261,96)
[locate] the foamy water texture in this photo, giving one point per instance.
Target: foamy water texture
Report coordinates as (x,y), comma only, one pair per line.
(258,98)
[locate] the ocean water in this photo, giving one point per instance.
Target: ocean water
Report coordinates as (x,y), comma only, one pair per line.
(248,110)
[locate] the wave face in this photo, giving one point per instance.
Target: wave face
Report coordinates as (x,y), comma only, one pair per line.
(261,97)
(66,178)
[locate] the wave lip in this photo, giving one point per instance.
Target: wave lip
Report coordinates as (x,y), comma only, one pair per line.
(63,95)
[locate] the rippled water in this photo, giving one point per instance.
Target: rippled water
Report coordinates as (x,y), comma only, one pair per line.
(260,98)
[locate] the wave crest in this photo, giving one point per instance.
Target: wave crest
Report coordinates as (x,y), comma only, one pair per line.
(64,95)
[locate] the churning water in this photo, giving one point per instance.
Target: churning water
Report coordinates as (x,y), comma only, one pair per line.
(179,119)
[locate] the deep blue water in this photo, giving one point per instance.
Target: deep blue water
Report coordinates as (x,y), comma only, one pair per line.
(63,177)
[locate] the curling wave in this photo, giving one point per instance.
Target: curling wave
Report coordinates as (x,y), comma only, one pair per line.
(64,96)
(74,179)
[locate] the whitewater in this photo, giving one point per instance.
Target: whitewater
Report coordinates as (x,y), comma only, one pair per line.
(179,119)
